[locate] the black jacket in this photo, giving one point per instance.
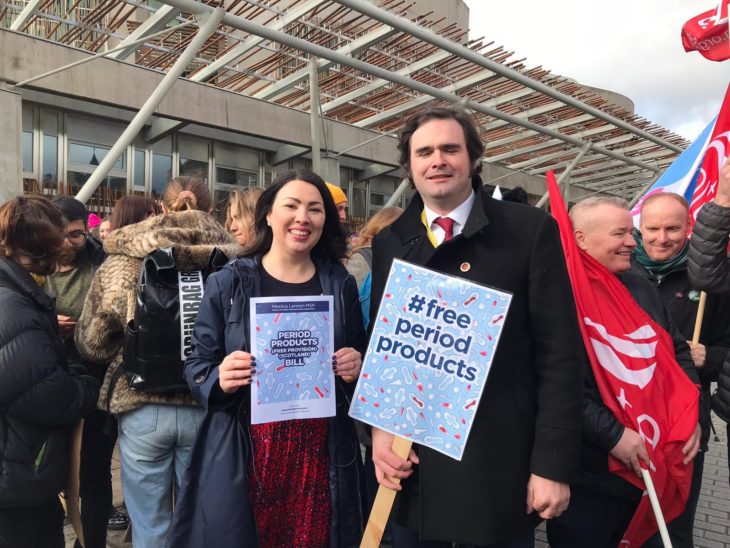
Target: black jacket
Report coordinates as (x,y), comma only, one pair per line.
(39,399)
(529,417)
(213,508)
(709,270)
(682,301)
(601,430)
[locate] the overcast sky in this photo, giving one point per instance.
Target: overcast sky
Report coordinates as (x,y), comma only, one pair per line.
(629,46)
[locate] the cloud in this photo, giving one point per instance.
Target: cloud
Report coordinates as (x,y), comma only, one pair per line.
(630,47)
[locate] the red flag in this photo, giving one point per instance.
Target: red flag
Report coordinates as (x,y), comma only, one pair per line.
(708,33)
(717,152)
(637,375)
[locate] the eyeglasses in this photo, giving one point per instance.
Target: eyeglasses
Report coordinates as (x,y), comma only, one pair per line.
(76,237)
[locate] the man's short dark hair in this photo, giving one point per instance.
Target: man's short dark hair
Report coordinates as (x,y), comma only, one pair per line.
(71,209)
(474,145)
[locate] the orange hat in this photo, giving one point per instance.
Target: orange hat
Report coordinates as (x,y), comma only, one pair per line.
(337,193)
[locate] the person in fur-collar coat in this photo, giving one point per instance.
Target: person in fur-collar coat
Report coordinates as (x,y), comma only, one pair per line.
(156,430)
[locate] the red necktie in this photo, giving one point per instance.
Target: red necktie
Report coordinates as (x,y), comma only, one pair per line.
(447,223)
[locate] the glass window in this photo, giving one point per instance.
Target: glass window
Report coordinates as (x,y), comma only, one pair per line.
(358,206)
(161,173)
(238,177)
(50,163)
(92,155)
(104,197)
(194,168)
(138,181)
(27,142)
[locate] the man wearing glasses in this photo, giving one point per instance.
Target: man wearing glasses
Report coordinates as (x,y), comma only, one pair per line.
(83,254)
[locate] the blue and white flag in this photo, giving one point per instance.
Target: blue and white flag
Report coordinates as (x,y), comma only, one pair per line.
(681,176)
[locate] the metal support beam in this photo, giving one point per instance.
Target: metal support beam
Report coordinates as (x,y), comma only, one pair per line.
(156,22)
(161,128)
(395,198)
(643,190)
(191,6)
(314,113)
(380,83)
(286,153)
(457,49)
(567,171)
(206,30)
(456,87)
(242,48)
(106,53)
(350,50)
(375,170)
(24,16)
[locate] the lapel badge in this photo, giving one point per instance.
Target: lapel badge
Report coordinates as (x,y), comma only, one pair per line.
(465,267)
(694,296)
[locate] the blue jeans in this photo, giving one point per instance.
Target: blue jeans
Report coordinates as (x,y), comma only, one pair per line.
(154,444)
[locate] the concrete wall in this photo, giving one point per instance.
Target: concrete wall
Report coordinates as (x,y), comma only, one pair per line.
(127,86)
(11,154)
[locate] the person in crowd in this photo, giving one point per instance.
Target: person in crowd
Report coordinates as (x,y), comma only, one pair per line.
(359,264)
(240,213)
(603,503)
(524,443)
(660,256)
(708,267)
(132,209)
(340,198)
(517,195)
(104,228)
(40,397)
(289,483)
(83,254)
(156,430)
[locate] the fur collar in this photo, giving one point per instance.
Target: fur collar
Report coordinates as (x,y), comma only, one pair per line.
(193,235)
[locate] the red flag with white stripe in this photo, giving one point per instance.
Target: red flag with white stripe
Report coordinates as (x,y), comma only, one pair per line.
(638,377)
(708,33)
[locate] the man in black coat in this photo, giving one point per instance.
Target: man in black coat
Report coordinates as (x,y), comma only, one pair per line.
(603,503)
(660,256)
(523,447)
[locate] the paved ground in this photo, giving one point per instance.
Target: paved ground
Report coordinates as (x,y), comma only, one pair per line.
(712,523)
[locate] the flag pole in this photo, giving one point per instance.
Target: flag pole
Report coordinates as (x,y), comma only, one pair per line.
(657,509)
(384,501)
(700,316)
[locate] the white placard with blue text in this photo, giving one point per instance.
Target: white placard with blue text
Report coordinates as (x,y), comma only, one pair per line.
(292,339)
(429,356)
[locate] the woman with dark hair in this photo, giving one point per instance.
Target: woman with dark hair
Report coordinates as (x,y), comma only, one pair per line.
(156,429)
(132,209)
(39,398)
(289,483)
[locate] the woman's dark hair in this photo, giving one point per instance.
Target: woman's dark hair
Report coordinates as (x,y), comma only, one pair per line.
(332,245)
(32,226)
(132,209)
(474,145)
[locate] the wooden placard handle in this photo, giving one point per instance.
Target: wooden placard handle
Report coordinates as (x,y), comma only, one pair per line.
(383,501)
(700,316)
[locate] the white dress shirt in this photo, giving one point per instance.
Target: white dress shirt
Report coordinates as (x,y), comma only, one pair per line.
(459,215)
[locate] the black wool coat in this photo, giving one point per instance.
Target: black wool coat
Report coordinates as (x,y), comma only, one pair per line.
(529,418)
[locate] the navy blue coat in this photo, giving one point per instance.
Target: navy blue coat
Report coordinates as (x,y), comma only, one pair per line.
(213,507)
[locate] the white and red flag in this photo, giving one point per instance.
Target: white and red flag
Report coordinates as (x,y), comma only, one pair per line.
(708,33)
(638,377)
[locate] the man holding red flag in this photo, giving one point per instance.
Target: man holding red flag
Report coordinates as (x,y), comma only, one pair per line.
(640,408)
